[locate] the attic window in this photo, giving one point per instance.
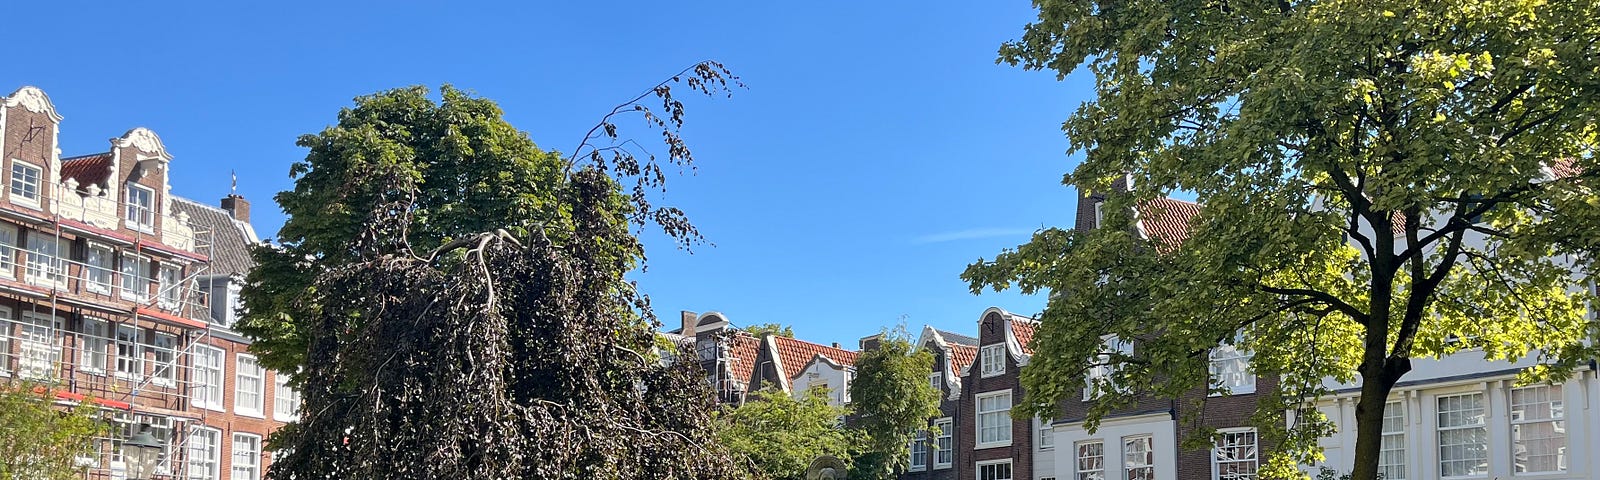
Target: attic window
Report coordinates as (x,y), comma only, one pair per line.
(141,207)
(25,182)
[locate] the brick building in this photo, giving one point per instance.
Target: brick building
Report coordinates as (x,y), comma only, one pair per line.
(118,292)
(738,363)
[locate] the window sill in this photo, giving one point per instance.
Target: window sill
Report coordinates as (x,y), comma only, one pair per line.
(102,291)
(284,419)
(149,229)
(93,371)
(246,412)
(163,383)
(915,468)
(126,376)
(25,202)
(942,466)
(982,446)
(991,374)
(214,408)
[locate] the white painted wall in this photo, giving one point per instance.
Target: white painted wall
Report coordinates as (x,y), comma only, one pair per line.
(1044,458)
(1161,428)
(820,373)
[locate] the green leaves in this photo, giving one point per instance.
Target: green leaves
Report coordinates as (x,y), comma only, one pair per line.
(892,400)
(1380,180)
(42,441)
(780,434)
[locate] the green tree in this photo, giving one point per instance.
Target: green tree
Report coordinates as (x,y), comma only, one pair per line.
(42,441)
(781,434)
(891,401)
(772,328)
(1380,180)
(431,350)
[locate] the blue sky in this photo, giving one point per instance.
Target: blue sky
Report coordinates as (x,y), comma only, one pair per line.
(877,150)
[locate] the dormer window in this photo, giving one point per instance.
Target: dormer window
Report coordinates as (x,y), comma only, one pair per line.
(141,207)
(25,183)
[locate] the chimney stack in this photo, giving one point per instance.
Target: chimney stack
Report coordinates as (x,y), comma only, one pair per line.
(237,206)
(688,319)
(835,344)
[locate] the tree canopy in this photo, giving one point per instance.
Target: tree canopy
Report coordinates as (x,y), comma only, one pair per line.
(891,401)
(781,434)
(1378,180)
(456,303)
(42,441)
(772,328)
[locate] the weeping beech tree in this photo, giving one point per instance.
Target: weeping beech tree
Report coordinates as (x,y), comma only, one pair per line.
(462,321)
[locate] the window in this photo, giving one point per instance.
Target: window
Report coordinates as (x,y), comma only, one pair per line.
(1234,455)
(919,452)
(24,183)
(247,386)
(205,453)
(171,291)
(130,352)
(8,250)
(944,453)
(1100,373)
(1230,371)
(1463,436)
(1047,436)
(1392,452)
(285,399)
(1538,429)
(96,345)
(1139,458)
(97,271)
(994,419)
(141,207)
(207,388)
(40,337)
(1099,214)
(135,278)
(45,263)
(246,457)
(936,380)
(159,428)
(163,347)
(1000,470)
(1091,460)
(993,360)
(5,340)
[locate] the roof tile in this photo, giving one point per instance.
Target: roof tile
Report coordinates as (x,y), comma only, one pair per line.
(796,354)
(88,170)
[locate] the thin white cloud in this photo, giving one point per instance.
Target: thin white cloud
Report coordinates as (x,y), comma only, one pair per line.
(971,234)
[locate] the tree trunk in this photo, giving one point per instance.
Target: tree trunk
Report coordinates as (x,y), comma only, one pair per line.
(1377,383)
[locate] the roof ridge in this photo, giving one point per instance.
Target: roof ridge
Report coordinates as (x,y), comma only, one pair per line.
(814,343)
(84,157)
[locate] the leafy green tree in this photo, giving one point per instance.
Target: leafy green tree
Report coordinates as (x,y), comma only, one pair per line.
(520,350)
(42,441)
(772,328)
(892,401)
(1380,180)
(781,434)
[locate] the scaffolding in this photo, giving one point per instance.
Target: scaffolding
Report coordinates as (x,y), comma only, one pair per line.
(122,334)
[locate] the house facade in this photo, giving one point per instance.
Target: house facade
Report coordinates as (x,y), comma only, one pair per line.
(112,292)
(738,363)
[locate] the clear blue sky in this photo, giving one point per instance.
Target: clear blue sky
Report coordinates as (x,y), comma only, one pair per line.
(877,151)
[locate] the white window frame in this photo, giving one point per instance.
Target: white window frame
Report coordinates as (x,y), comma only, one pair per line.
(1440,414)
(1003,416)
(209,377)
(992,360)
(1082,460)
(1393,442)
(242,372)
(1010,469)
(132,212)
(6,328)
(38,185)
(164,374)
(1047,435)
(1245,454)
(944,444)
(282,395)
(139,276)
(1108,343)
(936,380)
(1130,463)
(919,451)
(10,242)
(170,290)
(39,345)
(248,460)
(133,358)
(1230,371)
(205,456)
(47,268)
(1099,213)
(95,358)
(1556,403)
(99,269)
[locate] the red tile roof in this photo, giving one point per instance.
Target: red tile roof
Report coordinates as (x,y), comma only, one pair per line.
(1023,329)
(87,169)
(1167,220)
(1564,168)
(962,356)
(742,357)
(795,354)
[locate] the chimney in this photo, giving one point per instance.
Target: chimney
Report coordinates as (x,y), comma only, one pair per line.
(238,207)
(836,345)
(688,319)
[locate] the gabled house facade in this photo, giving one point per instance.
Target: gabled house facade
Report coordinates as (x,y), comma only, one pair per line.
(738,363)
(104,299)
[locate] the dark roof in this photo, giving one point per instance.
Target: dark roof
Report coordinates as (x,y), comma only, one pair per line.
(953,337)
(230,239)
(88,169)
